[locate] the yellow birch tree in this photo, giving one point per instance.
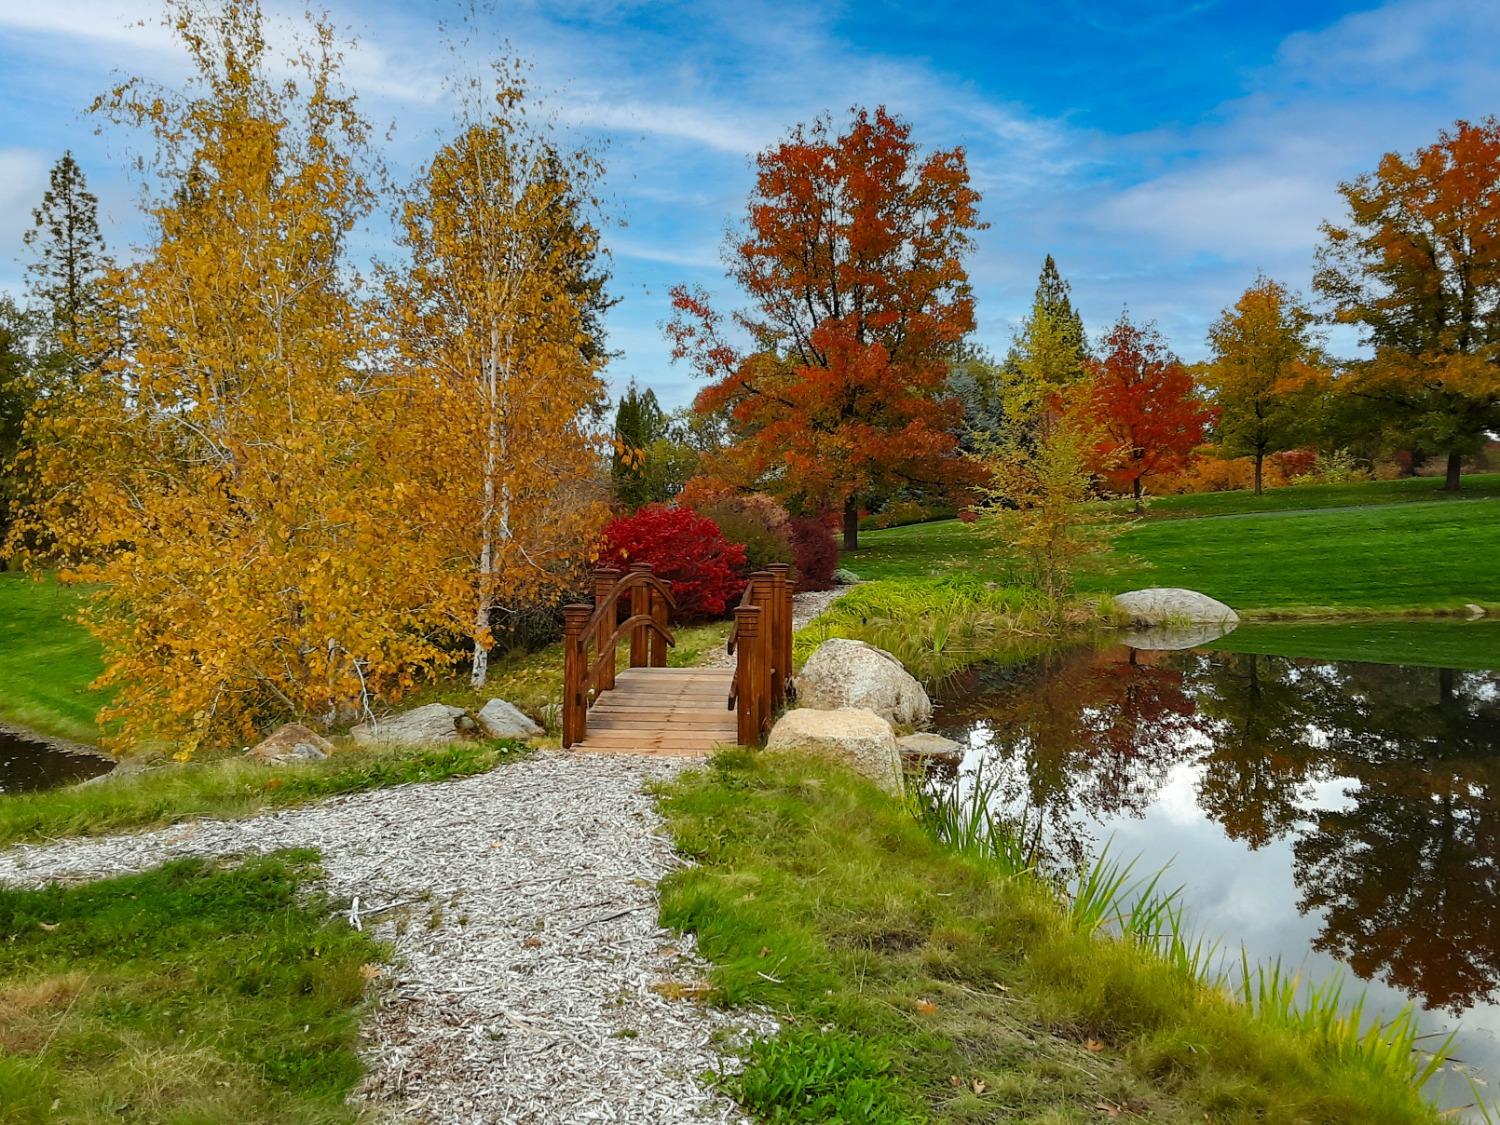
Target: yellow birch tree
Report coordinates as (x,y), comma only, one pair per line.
(496,326)
(214,473)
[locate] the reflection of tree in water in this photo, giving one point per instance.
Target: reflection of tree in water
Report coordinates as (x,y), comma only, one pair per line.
(1085,735)
(1407,875)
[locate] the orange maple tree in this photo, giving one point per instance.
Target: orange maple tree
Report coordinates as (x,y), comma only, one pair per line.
(1416,265)
(1145,405)
(852,260)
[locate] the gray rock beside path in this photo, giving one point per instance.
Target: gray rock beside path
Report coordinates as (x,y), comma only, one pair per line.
(500,719)
(852,736)
(844,673)
(290,743)
(435,724)
(1172,605)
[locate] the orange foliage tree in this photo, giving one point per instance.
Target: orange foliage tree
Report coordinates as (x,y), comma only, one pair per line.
(1416,264)
(853,265)
(215,472)
(1145,406)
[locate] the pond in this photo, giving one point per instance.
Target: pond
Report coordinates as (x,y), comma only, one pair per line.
(1335,814)
(26,765)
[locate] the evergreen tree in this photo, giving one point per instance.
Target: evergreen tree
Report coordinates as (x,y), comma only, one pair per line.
(1048,355)
(17,332)
(70,254)
(639,422)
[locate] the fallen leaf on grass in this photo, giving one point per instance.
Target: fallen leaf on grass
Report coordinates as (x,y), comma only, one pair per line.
(979,1087)
(926,1007)
(1093,1045)
(1109,1109)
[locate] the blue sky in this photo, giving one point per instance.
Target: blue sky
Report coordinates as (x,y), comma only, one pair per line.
(1162,151)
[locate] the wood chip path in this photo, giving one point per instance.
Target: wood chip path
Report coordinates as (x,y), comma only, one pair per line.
(531,981)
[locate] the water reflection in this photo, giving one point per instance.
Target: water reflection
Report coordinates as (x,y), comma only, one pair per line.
(1382,782)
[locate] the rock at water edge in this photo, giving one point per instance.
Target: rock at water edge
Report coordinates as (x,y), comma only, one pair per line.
(852,736)
(845,673)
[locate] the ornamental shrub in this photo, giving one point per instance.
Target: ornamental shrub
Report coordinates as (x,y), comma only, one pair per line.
(684,548)
(756,522)
(815,552)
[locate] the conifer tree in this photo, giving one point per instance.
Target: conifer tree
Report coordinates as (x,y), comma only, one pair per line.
(639,422)
(70,253)
(1048,355)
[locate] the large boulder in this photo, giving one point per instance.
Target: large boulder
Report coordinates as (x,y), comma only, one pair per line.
(500,719)
(843,673)
(1171,605)
(436,724)
(852,736)
(290,743)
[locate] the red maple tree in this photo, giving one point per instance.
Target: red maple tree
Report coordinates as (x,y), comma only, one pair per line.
(852,261)
(1145,405)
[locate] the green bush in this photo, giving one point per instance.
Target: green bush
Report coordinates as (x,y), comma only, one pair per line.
(820,1076)
(758,523)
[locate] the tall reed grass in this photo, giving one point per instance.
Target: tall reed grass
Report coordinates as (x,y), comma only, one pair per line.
(938,625)
(1105,897)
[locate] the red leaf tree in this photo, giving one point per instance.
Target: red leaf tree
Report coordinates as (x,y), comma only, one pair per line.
(1145,406)
(852,261)
(683,548)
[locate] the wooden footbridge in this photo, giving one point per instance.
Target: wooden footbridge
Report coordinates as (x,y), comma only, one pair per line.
(649,708)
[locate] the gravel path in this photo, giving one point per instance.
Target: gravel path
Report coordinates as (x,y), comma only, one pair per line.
(531,982)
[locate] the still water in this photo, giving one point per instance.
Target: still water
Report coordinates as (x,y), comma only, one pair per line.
(1337,815)
(26,765)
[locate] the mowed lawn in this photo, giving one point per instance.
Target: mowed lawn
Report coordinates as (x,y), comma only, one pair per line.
(47,660)
(1351,557)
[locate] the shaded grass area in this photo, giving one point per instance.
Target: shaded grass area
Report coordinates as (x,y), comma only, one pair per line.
(192,993)
(916,983)
(47,660)
(231,787)
(1431,642)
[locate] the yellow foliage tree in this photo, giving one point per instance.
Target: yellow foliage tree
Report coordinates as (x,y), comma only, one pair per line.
(216,473)
(496,326)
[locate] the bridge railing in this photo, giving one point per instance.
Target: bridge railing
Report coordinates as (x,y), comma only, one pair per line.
(760,640)
(598,628)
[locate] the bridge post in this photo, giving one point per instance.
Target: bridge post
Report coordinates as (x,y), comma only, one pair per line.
(747,620)
(640,604)
(781,635)
(604,585)
(658,639)
(575,704)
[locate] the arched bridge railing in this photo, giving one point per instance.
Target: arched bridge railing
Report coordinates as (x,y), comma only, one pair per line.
(760,640)
(598,628)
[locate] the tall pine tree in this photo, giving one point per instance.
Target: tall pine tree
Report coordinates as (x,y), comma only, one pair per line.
(639,421)
(1048,355)
(70,253)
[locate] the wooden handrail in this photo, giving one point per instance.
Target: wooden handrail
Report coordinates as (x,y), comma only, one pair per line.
(598,626)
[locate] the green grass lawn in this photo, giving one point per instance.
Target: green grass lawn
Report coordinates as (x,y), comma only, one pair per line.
(47,660)
(915,983)
(1356,494)
(1357,556)
(192,993)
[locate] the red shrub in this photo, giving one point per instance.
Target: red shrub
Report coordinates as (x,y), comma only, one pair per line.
(815,553)
(684,548)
